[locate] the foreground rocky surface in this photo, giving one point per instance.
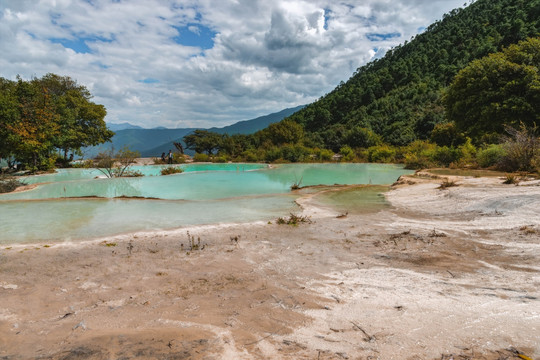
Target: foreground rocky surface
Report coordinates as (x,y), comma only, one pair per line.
(443,273)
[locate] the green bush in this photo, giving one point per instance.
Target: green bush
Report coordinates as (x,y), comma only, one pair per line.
(347,153)
(467,153)
(8,184)
(178,158)
(444,155)
(294,153)
(419,155)
(201,157)
(381,154)
(220,159)
(83,164)
(171,170)
(417,161)
(250,156)
(272,154)
(325,155)
(490,156)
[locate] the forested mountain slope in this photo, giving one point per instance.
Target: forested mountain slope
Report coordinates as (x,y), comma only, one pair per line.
(399,95)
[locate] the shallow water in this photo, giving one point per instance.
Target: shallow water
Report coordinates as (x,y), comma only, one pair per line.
(56,209)
(356,200)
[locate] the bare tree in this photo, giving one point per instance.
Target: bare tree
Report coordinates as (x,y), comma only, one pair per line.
(116,165)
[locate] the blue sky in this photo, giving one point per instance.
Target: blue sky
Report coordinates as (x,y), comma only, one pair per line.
(204,63)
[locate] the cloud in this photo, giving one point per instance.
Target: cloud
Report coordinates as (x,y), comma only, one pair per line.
(184,63)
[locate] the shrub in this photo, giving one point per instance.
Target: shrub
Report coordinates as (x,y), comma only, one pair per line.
(8,184)
(201,157)
(446,184)
(417,161)
(347,153)
(381,154)
(171,170)
(490,155)
(220,159)
(293,220)
(419,155)
(294,153)
(83,164)
(272,154)
(132,173)
(447,134)
(179,158)
(250,156)
(325,155)
(522,148)
(467,152)
(511,179)
(446,155)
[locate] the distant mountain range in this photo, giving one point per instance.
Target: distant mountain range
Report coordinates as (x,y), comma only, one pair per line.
(153,142)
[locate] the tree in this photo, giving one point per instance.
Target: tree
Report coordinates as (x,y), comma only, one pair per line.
(42,115)
(497,91)
(81,121)
(33,127)
(9,114)
(203,141)
(283,132)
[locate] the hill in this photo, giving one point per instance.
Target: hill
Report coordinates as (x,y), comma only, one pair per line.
(254,125)
(242,127)
(399,96)
(152,142)
(122,126)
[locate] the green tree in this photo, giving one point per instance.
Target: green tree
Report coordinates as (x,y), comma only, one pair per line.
(42,115)
(203,141)
(9,115)
(283,132)
(500,90)
(80,120)
(33,128)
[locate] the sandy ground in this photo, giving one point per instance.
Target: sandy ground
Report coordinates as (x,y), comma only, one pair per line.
(442,274)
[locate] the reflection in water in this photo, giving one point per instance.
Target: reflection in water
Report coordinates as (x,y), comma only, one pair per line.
(190,198)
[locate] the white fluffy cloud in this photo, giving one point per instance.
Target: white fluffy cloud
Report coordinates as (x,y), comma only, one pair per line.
(184,63)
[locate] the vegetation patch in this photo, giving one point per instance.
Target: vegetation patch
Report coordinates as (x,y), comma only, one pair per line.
(9,184)
(293,220)
(171,170)
(447,183)
(511,179)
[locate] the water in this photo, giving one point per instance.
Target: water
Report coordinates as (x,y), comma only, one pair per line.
(61,207)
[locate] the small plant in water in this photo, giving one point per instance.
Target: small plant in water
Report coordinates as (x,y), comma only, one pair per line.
(171,170)
(296,184)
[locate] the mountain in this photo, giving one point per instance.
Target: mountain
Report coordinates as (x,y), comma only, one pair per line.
(122,126)
(153,142)
(398,97)
(241,127)
(254,125)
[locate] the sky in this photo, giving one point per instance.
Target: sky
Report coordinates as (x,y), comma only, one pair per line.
(204,63)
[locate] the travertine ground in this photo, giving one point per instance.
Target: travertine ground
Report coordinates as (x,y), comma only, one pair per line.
(442,274)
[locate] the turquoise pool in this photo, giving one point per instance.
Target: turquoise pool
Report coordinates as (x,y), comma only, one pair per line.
(77,204)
